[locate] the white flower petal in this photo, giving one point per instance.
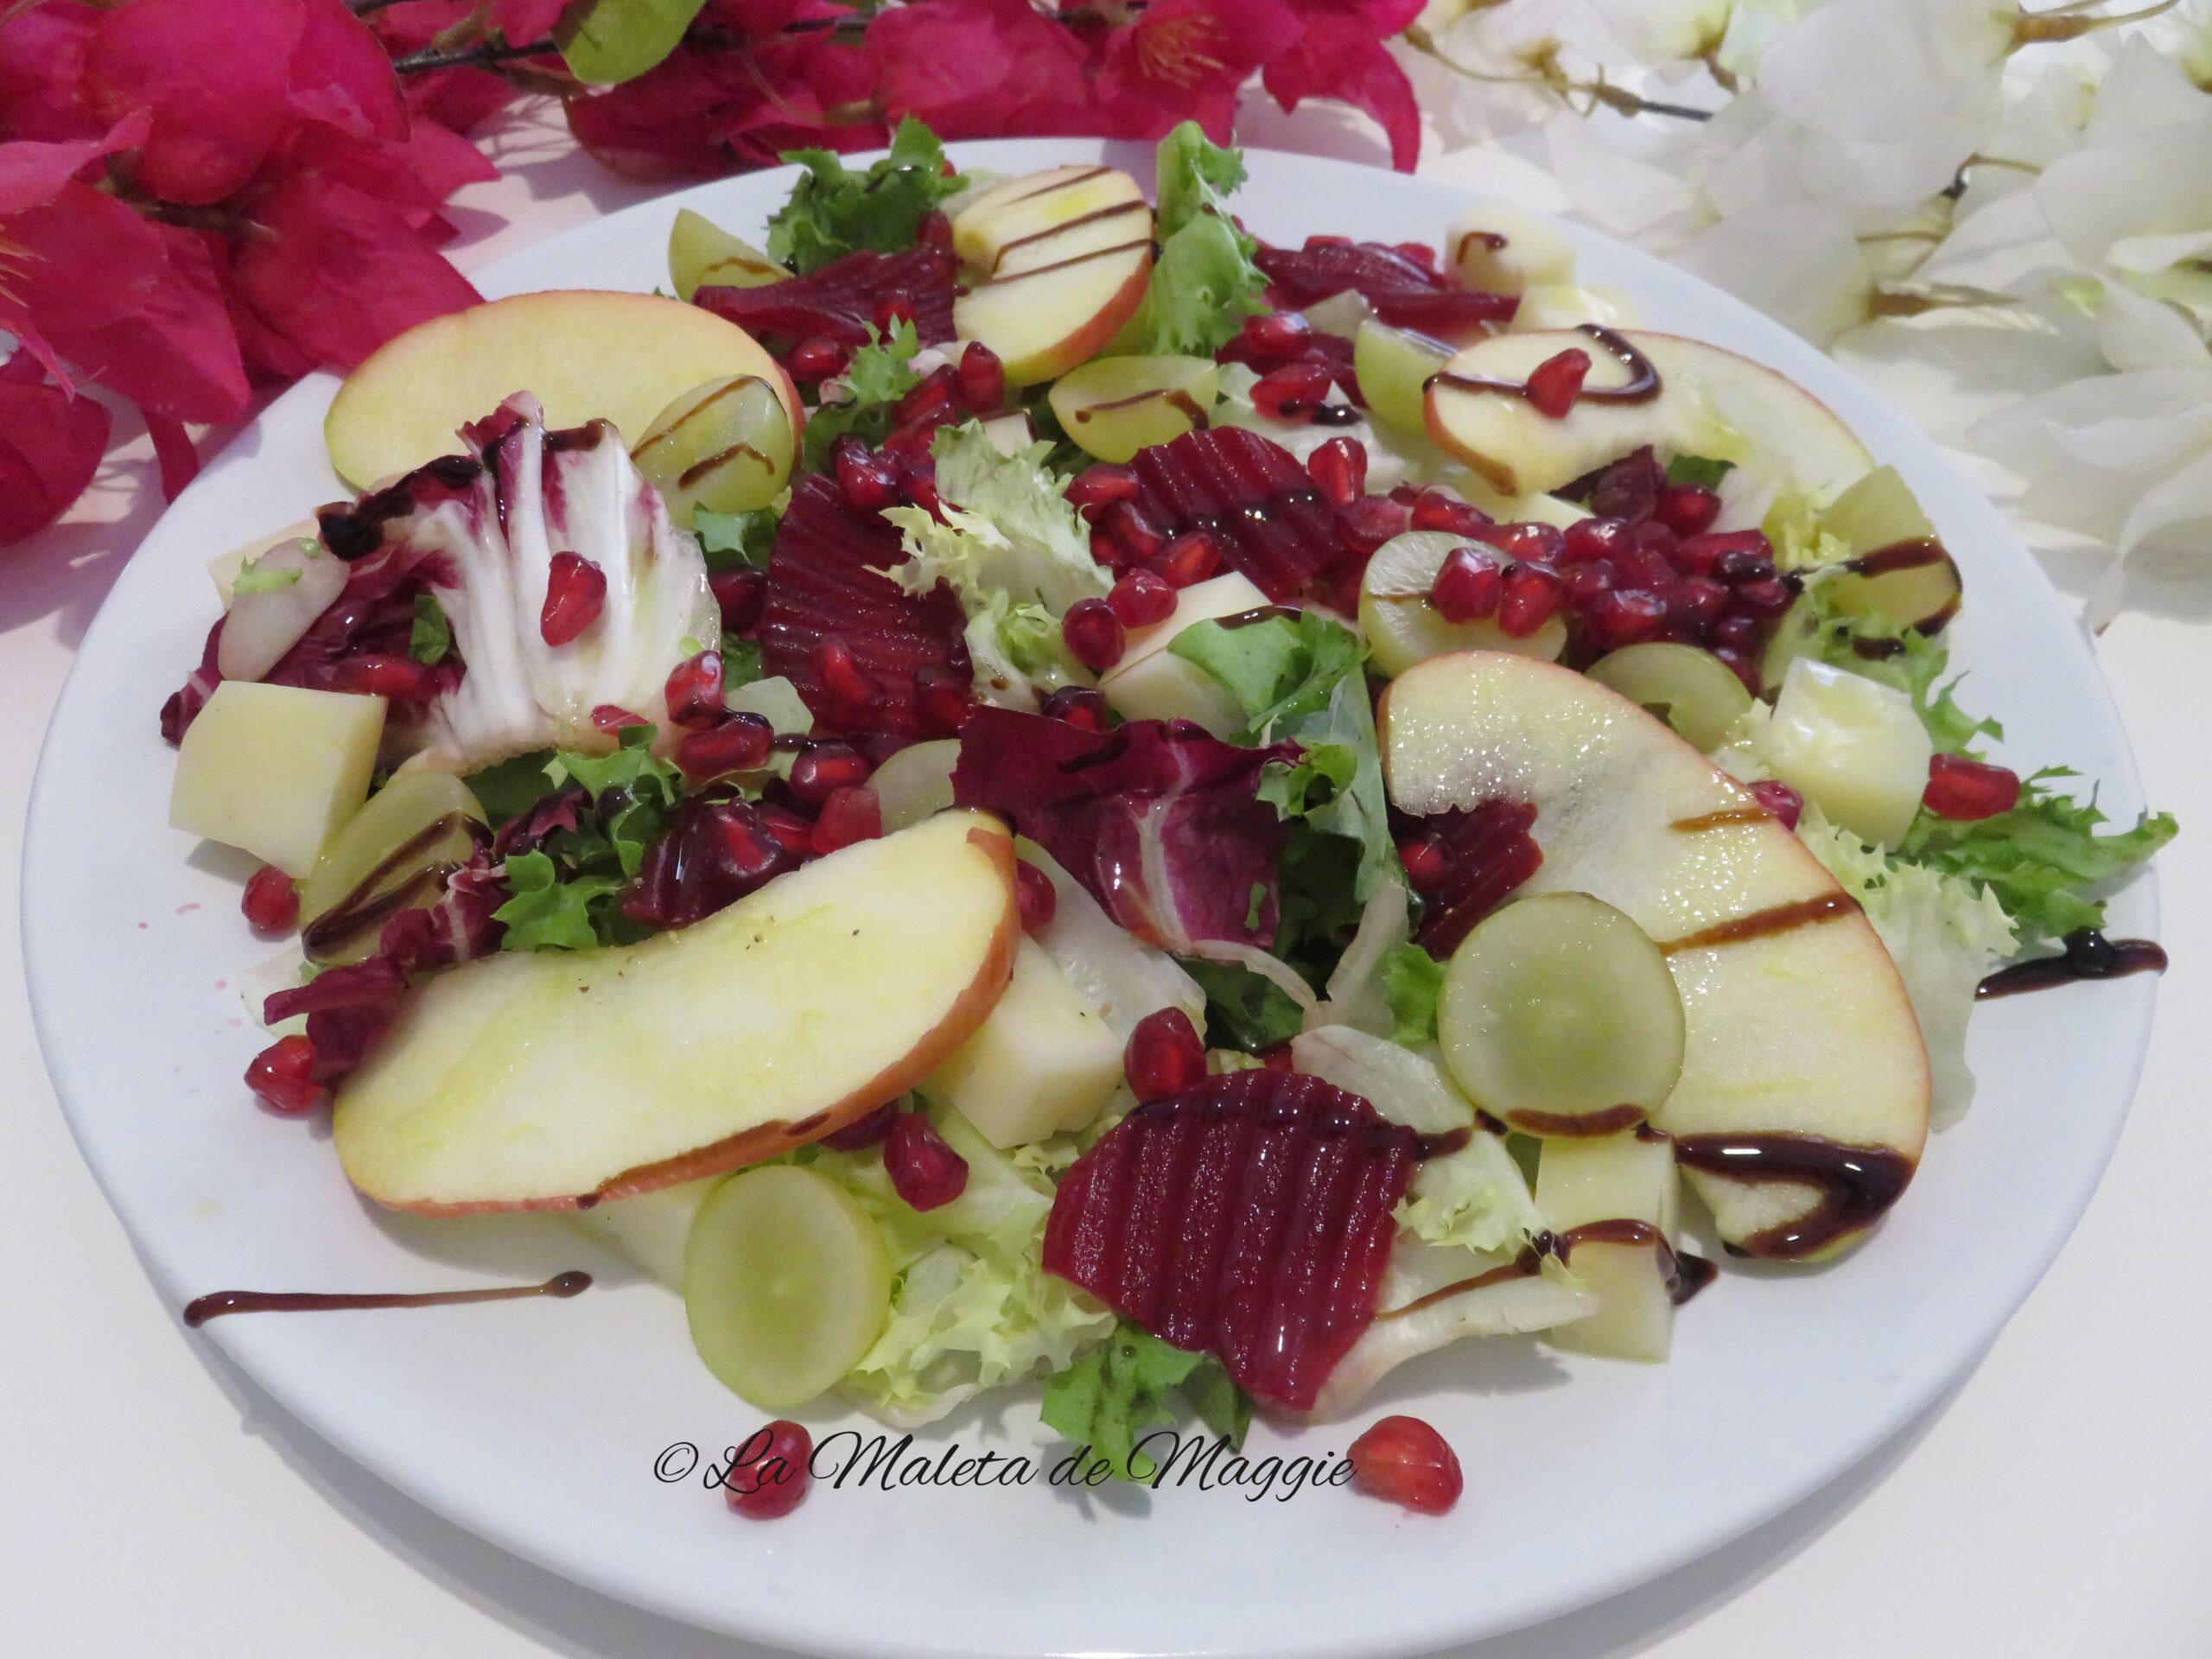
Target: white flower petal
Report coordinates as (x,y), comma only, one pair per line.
(1616,193)
(2153,182)
(1880,70)
(2135,333)
(1801,266)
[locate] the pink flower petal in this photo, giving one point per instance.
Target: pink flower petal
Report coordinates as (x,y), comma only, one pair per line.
(50,446)
(31,172)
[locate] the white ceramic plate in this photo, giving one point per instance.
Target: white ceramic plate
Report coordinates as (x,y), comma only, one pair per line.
(538,1423)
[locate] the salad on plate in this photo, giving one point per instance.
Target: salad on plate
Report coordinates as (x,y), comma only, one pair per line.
(1019,785)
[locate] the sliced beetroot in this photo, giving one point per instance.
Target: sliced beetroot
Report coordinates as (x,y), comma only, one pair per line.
(1159,820)
(1249,1218)
(841,300)
(1472,860)
(1405,292)
(1253,496)
(826,589)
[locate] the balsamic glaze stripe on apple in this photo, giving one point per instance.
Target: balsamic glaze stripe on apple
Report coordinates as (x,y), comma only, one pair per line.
(1171,807)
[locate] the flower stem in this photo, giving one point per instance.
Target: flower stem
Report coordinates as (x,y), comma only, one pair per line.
(1559,84)
(2070,22)
(484,55)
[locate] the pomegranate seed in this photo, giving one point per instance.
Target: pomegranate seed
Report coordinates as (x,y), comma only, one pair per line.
(851,690)
(821,771)
(865,1132)
(1736,633)
(400,679)
(1687,509)
(1079,705)
(1036,897)
(818,359)
(1625,617)
(983,378)
(1191,558)
(283,1075)
(740,594)
(271,902)
(1739,565)
(613,717)
(931,403)
(1105,551)
(1142,598)
(1768,597)
(1544,544)
(923,1171)
(1339,471)
(893,308)
(1094,634)
(936,230)
(848,816)
(1139,536)
(793,833)
(1648,559)
(867,484)
(1697,604)
(694,692)
(1785,802)
(1555,383)
(1594,539)
(1102,486)
(575,593)
(1468,585)
(920,484)
(943,696)
(1282,334)
(1278,1058)
(1585,581)
(1533,596)
(1741,665)
(769,1476)
(1433,510)
(1291,392)
(908,444)
(1969,790)
(1427,866)
(740,743)
(1164,1055)
(1372,520)
(1403,1461)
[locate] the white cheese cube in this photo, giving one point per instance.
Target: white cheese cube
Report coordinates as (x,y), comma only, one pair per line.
(1852,747)
(1042,1063)
(274,769)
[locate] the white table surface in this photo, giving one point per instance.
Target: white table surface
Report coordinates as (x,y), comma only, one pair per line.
(2056,1506)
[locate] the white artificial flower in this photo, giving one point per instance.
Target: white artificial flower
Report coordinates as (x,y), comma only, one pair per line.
(1879,72)
(1666,31)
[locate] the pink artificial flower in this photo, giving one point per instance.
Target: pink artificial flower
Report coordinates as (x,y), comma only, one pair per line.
(339,75)
(32,171)
(525,22)
(980,68)
(41,61)
(50,445)
(460,99)
(1185,59)
(1341,56)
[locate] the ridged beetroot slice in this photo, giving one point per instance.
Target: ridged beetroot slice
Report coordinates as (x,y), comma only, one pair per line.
(1249,1218)
(1255,497)
(1488,853)
(840,300)
(824,583)
(1404,292)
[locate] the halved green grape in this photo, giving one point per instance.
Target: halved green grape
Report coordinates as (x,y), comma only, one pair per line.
(1403,628)
(391,855)
(915,783)
(786,1284)
(701,254)
(1559,1015)
(1111,407)
(1899,567)
(1692,690)
(1392,366)
(725,445)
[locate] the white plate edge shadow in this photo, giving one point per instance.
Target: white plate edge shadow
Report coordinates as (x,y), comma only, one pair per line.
(42,915)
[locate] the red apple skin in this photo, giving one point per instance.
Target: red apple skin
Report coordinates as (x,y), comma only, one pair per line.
(1088,338)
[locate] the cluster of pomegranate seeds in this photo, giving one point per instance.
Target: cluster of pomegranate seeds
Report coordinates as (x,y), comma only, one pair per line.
(1251,497)
(849,815)
(842,301)
(1249,1216)
(1466,863)
(283,1076)
(1555,383)
(1094,633)
(1079,705)
(770,1477)
(1783,802)
(1164,1055)
(718,847)
(575,592)
(694,691)
(1404,1461)
(740,743)
(271,902)
(1283,339)
(1142,598)
(924,1172)
(1034,897)
(1402,283)
(1969,790)
(865,1132)
(852,641)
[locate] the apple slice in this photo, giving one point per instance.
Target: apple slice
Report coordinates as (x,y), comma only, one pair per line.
(1708,401)
(1569,305)
(1017,214)
(586,353)
(701,254)
(1060,284)
(545,1080)
(1803,1073)
(1114,406)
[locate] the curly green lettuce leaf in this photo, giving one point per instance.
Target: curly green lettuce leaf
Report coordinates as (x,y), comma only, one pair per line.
(1205,280)
(1244,1009)
(881,374)
(1280,669)
(737,541)
(1413,982)
(835,211)
(1943,933)
(1044,558)
(1116,1392)
(545,911)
